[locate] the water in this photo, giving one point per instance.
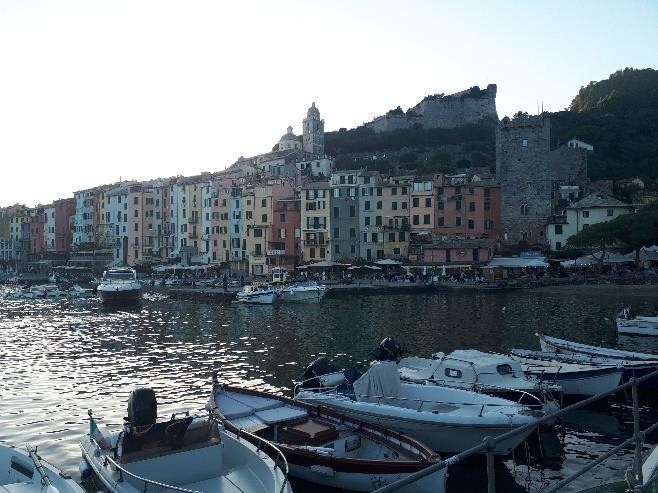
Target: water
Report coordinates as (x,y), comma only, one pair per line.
(60,358)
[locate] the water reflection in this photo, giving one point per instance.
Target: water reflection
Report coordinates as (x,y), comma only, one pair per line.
(60,358)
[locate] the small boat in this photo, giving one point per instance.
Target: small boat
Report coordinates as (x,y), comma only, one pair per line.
(576,379)
(189,454)
(27,472)
(635,364)
(323,446)
(119,286)
(447,419)
(628,322)
(310,292)
(258,293)
(490,373)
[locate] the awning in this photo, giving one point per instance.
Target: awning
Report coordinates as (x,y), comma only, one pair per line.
(516,262)
(388,261)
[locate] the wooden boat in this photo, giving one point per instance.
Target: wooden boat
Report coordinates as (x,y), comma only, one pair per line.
(323,446)
(576,379)
(191,454)
(446,419)
(27,472)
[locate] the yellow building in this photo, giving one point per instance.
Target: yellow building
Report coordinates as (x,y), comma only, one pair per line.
(395,211)
(316,221)
(421,210)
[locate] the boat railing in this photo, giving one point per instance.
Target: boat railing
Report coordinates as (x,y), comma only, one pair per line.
(488,445)
(262,443)
(146,481)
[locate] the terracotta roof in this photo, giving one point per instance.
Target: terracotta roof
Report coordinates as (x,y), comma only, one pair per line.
(598,200)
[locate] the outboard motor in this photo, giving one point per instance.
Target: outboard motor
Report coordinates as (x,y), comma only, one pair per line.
(319,367)
(142,407)
(388,350)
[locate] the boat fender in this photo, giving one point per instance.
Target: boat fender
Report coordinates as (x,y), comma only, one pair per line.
(85,470)
(322,470)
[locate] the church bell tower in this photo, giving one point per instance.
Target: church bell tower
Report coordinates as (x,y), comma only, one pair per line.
(313,132)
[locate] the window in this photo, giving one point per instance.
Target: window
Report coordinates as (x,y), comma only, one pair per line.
(365,237)
(440,222)
(375,237)
(352,248)
(404,205)
(367,220)
(263,203)
(391,237)
(415,202)
(379,204)
(585,213)
(524,209)
(378,220)
(471,206)
(394,206)
(471,224)
(428,202)
(322,252)
(258,233)
(366,205)
(458,221)
(336,193)
(248,215)
(336,248)
(488,224)
(136,214)
(136,200)
(440,204)
(336,233)
(403,236)
(136,226)
(404,190)
(282,233)
(415,220)
(394,191)
(610,212)
(379,191)
(524,143)
(352,211)
(336,212)
(487,206)
(282,218)
(352,232)
(558,229)
(458,205)
(558,245)
(264,218)
(426,219)
(452,373)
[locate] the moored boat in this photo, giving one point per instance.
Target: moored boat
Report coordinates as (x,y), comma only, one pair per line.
(628,322)
(258,293)
(119,286)
(323,446)
(309,292)
(189,454)
(26,472)
(576,379)
(447,419)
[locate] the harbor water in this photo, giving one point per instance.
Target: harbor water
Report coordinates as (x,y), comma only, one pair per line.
(61,358)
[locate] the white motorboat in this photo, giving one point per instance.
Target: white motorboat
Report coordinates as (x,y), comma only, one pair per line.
(446,419)
(189,455)
(325,447)
(629,322)
(576,379)
(258,293)
(27,472)
(119,286)
(310,292)
(494,374)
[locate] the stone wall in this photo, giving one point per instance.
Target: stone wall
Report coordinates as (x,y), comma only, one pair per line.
(523,170)
(440,111)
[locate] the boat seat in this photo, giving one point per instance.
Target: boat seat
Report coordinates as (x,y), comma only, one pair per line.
(255,402)
(279,414)
(232,409)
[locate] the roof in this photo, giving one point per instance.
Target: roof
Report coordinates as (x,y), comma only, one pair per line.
(518,262)
(599,200)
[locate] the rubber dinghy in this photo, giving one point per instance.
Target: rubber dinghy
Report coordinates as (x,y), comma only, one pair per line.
(447,419)
(26,472)
(192,454)
(323,446)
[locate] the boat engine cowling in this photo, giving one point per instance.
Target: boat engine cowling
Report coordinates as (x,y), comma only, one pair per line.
(388,350)
(319,367)
(142,407)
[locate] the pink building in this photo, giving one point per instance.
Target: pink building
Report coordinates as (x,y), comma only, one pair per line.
(468,209)
(37,226)
(284,244)
(64,211)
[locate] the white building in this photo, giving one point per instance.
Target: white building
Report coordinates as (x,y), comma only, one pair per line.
(49,228)
(116,217)
(579,144)
(83,224)
(593,209)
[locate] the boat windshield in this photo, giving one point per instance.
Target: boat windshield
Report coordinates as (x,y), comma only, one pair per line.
(118,276)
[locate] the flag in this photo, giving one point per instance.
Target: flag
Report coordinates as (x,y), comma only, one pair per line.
(96,434)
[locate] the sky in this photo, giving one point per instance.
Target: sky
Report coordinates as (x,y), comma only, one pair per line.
(97,91)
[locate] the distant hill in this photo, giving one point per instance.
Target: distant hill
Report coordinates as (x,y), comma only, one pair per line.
(619,117)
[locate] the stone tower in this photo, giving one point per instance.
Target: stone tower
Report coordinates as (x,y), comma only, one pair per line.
(523,170)
(313,132)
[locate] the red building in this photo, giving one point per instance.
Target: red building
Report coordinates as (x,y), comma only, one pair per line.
(284,245)
(467,209)
(64,211)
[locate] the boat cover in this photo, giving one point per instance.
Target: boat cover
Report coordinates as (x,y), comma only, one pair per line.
(381,380)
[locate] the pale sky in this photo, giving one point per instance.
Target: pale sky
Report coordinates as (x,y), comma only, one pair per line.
(94,91)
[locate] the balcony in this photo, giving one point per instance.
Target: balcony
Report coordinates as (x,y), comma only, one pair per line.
(193,220)
(256,254)
(316,243)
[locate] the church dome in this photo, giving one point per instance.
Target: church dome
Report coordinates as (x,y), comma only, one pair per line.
(313,112)
(288,136)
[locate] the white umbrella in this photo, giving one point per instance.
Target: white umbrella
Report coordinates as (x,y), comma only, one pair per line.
(388,261)
(373,267)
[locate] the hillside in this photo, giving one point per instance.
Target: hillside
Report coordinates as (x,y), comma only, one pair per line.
(619,117)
